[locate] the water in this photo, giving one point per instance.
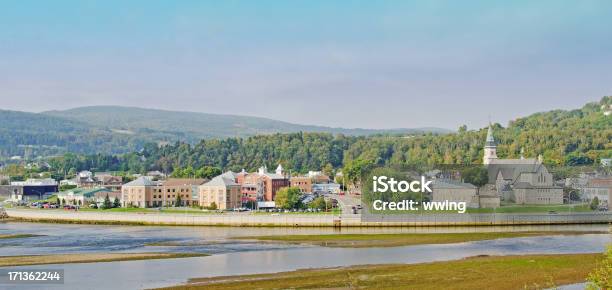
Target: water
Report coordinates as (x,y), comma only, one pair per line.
(232,257)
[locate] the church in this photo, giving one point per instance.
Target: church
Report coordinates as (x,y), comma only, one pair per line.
(520,181)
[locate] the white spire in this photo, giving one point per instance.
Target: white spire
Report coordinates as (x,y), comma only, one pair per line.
(490,148)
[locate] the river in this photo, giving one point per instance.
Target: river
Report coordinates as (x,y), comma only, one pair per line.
(234,257)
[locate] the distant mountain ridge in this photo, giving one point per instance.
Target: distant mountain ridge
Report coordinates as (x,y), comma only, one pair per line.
(197,126)
(116,129)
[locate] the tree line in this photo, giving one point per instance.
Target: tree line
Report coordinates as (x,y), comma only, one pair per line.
(563,138)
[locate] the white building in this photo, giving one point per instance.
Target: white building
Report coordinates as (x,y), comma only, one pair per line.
(520,181)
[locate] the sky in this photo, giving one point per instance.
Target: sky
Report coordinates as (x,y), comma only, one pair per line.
(367,64)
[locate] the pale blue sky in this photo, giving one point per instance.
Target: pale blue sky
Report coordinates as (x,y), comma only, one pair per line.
(373,64)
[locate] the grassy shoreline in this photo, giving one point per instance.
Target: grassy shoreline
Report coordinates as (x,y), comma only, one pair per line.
(18,236)
(396,240)
(25,260)
(504,272)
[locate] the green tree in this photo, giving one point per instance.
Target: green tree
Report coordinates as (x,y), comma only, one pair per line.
(318,203)
(601,277)
(477,176)
(178,201)
(328,170)
(116,203)
(107,203)
(213,206)
(287,197)
(594,203)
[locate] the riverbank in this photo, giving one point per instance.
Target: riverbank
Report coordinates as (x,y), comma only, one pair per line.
(17,236)
(88,258)
(396,240)
(482,272)
(301,220)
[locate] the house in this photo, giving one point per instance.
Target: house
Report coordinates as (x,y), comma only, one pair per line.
(85,179)
(81,196)
(221,191)
(597,187)
(100,196)
(111,182)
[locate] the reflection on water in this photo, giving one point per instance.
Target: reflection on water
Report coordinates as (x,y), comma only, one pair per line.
(236,258)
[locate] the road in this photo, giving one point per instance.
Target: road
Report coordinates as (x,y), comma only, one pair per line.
(346,202)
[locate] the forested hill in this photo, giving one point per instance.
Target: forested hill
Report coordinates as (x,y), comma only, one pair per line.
(576,137)
(192,127)
(112,130)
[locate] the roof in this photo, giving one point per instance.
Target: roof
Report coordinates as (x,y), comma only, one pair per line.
(85,192)
(183,181)
(510,169)
(452,184)
(36,182)
(141,181)
(111,194)
(220,181)
(600,182)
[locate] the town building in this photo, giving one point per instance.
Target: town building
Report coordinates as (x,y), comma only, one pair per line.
(109,181)
(33,189)
(314,181)
(81,196)
(144,192)
(326,188)
(172,190)
(597,187)
(304,183)
(139,192)
(220,192)
(520,181)
(263,185)
(457,191)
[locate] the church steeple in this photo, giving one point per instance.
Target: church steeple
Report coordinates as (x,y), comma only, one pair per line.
(490,148)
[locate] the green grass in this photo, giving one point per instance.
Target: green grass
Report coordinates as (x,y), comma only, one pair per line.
(18,236)
(396,240)
(88,258)
(484,272)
